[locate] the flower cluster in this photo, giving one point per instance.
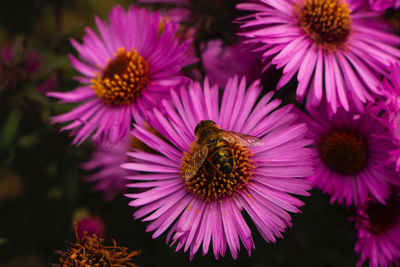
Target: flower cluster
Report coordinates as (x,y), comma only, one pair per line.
(216,146)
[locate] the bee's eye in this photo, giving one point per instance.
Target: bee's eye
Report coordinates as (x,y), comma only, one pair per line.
(201,124)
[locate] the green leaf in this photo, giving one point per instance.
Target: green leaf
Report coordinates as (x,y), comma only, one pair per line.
(29,140)
(10,128)
(3,240)
(32,93)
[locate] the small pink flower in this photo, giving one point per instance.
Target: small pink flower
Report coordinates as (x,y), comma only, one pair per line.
(222,62)
(378,232)
(391,104)
(18,63)
(109,176)
(91,225)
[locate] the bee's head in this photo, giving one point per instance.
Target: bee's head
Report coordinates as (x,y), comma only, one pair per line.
(202,125)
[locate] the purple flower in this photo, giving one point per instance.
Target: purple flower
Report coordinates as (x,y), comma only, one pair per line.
(352,155)
(337,49)
(178,13)
(209,205)
(49,84)
(222,62)
(391,104)
(380,5)
(109,176)
(106,161)
(378,232)
(210,19)
(91,225)
(18,63)
(128,67)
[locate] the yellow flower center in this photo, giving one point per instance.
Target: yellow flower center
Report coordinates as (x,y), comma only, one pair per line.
(211,184)
(123,79)
(327,22)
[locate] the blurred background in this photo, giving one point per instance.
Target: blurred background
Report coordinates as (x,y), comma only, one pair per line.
(41,187)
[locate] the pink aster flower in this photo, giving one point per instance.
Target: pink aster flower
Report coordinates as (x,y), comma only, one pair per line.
(128,67)
(391,104)
(337,49)
(209,206)
(352,155)
(210,19)
(91,225)
(18,63)
(177,13)
(222,62)
(105,162)
(380,5)
(378,232)
(109,176)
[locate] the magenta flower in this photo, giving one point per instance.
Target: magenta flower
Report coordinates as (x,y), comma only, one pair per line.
(338,49)
(378,232)
(18,63)
(391,104)
(178,13)
(25,58)
(162,1)
(109,176)
(128,67)
(352,155)
(91,225)
(210,19)
(105,162)
(209,205)
(222,62)
(380,5)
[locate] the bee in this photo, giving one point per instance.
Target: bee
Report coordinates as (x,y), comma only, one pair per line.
(215,146)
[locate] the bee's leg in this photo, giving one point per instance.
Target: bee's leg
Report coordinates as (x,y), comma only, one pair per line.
(233,158)
(214,168)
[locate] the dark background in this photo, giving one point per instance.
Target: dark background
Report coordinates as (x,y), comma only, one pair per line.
(40,180)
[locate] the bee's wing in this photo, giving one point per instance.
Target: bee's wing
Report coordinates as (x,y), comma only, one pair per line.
(241,139)
(195,162)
